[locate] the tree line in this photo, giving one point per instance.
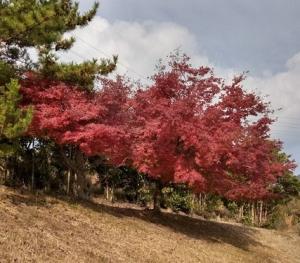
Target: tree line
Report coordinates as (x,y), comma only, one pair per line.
(188,140)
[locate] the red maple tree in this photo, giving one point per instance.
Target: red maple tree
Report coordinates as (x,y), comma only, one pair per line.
(95,122)
(82,123)
(192,128)
(187,127)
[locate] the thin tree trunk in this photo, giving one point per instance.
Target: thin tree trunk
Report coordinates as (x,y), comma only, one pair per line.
(112,199)
(7,175)
(156,203)
(6,171)
(193,203)
(82,185)
(33,168)
(157,197)
(68,181)
(106,191)
(204,199)
(241,212)
(252,212)
(75,161)
(75,185)
(260,212)
(200,202)
(265,213)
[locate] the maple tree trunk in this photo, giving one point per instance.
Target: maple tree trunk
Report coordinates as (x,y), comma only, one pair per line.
(82,190)
(157,196)
(75,161)
(75,186)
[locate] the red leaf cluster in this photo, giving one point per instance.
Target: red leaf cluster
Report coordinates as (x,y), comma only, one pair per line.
(93,121)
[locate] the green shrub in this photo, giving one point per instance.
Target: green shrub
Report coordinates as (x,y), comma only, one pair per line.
(145,196)
(178,198)
(232,207)
(286,216)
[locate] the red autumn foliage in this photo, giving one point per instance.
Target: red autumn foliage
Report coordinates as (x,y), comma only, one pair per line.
(191,128)
(187,127)
(95,122)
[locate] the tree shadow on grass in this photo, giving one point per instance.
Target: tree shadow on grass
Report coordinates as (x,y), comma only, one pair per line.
(239,236)
(29,199)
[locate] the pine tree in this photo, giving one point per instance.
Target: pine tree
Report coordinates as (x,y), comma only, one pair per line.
(13,120)
(41,24)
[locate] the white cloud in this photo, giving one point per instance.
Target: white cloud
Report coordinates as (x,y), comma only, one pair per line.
(284,92)
(138,45)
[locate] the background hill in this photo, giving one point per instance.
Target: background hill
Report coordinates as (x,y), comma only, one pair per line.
(48,229)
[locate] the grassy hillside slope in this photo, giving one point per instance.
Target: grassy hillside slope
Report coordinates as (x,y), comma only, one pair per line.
(48,229)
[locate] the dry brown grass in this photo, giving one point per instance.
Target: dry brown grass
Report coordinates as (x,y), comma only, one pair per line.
(48,229)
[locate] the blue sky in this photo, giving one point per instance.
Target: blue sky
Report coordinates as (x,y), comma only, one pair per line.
(259,36)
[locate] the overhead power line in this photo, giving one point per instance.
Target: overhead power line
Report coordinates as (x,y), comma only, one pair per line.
(106,55)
